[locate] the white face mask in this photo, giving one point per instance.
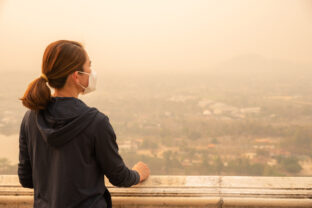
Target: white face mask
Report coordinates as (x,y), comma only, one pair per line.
(92,82)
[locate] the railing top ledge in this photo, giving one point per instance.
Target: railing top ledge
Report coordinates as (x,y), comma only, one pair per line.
(205,181)
(197,186)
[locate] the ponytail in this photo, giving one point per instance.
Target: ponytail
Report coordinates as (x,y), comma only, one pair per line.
(37,95)
(60,59)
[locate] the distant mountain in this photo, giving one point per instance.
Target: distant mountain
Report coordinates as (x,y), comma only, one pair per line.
(252,64)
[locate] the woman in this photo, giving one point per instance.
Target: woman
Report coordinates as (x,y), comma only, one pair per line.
(66,147)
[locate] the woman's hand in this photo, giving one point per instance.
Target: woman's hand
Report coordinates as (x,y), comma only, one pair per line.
(142,169)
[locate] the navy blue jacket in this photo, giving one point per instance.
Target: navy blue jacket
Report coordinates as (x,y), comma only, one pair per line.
(64,153)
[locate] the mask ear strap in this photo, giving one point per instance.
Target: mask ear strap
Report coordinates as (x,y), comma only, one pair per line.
(84,73)
(82,86)
(79,81)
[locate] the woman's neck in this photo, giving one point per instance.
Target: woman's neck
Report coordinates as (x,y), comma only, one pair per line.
(65,93)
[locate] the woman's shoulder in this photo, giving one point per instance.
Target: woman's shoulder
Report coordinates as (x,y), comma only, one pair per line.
(27,119)
(101,123)
(101,117)
(28,114)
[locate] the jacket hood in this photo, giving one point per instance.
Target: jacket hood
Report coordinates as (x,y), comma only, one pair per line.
(63,119)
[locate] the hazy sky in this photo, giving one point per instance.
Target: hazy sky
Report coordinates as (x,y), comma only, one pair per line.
(156,34)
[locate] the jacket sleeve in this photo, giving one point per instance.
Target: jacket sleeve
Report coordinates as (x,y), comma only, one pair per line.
(111,163)
(24,165)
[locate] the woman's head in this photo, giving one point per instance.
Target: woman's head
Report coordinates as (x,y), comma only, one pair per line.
(62,60)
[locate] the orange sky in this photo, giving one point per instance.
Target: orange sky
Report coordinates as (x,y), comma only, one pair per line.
(156,35)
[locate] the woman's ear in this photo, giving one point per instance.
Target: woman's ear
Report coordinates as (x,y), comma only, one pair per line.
(75,80)
(74,76)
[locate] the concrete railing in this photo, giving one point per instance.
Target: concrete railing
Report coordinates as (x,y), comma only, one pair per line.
(190,191)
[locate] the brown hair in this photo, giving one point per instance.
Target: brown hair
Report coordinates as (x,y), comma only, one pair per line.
(60,59)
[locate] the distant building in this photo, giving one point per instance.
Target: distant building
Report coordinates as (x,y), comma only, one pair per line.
(272,162)
(181,98)
(207,113)
(204,102)
(250,155)
(168,114)
(127,145)
(254,110)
